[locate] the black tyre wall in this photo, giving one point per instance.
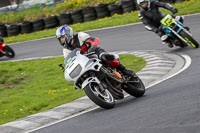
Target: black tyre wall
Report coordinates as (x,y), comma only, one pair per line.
(89,14)
(115,9)
(65,18)
(26,27)
(3,30)
(51,22)
(168,1)
(128,6)
(13,30)
(77,16)
(102,11)
(38,25)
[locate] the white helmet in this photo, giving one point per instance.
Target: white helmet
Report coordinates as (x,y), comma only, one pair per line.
(144,4)
(64,31)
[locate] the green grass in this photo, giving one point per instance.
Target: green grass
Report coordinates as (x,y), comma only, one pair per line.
(184,8)
(30,87)
(37,13)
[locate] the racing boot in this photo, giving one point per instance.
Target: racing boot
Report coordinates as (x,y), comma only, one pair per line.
(164,39)
(125,71)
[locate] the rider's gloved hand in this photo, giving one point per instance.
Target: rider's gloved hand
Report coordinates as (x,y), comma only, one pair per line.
(107,57)
(81,52)
(92,49)
(174,10)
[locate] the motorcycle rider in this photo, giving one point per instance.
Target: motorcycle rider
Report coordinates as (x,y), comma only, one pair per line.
(151,16)
(86,43)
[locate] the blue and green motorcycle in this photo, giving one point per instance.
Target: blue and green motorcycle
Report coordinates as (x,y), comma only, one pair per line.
(178,35)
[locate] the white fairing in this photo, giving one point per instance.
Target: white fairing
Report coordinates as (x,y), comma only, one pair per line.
(66,52)
(85,63)
(89,80)
(82,36)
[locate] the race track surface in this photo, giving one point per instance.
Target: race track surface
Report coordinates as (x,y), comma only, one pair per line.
(171,106)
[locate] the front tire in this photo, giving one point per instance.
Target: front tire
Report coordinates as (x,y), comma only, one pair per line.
(189,39)
(100,96)
(135,88)
(9,52)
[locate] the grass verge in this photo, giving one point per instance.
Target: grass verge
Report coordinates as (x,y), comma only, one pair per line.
(29,87)
(37,13)
(187,7)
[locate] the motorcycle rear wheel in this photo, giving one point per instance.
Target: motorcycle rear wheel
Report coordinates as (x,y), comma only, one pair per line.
(100,96)
(9,52)
(136,88)
(189,39)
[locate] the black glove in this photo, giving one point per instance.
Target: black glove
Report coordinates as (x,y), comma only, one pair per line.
(81,52)
(107,57)
(92,49)
(174,10)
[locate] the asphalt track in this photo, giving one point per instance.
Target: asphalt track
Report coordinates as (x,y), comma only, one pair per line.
(171,106)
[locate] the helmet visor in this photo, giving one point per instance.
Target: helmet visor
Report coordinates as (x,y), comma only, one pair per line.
(144,4)
(65,40)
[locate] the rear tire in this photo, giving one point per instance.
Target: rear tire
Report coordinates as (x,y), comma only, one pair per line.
(189,39)
(9,52)
(136,89)
(103,99)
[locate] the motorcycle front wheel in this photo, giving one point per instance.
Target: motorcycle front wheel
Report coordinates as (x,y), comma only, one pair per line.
(9,52)
(99,95)
(189,39)
(135,88)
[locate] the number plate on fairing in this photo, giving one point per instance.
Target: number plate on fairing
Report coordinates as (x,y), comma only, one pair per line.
(167,20)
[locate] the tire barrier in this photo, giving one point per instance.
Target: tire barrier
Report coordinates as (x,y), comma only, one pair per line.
(26,27)
(169,1)
(51,22)
(3,30)
(89,14)
(65,18)
(115,9)
(128,6)
(13,30)
(102,11)
(38,25)
(77,16)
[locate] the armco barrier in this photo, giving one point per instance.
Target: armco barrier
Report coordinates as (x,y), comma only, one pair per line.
(78,16)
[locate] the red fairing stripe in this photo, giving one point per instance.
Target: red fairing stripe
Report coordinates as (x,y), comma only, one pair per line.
(95,42)
(84,48)
(114,63)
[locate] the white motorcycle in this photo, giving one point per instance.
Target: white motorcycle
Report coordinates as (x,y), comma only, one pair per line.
(101,83)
